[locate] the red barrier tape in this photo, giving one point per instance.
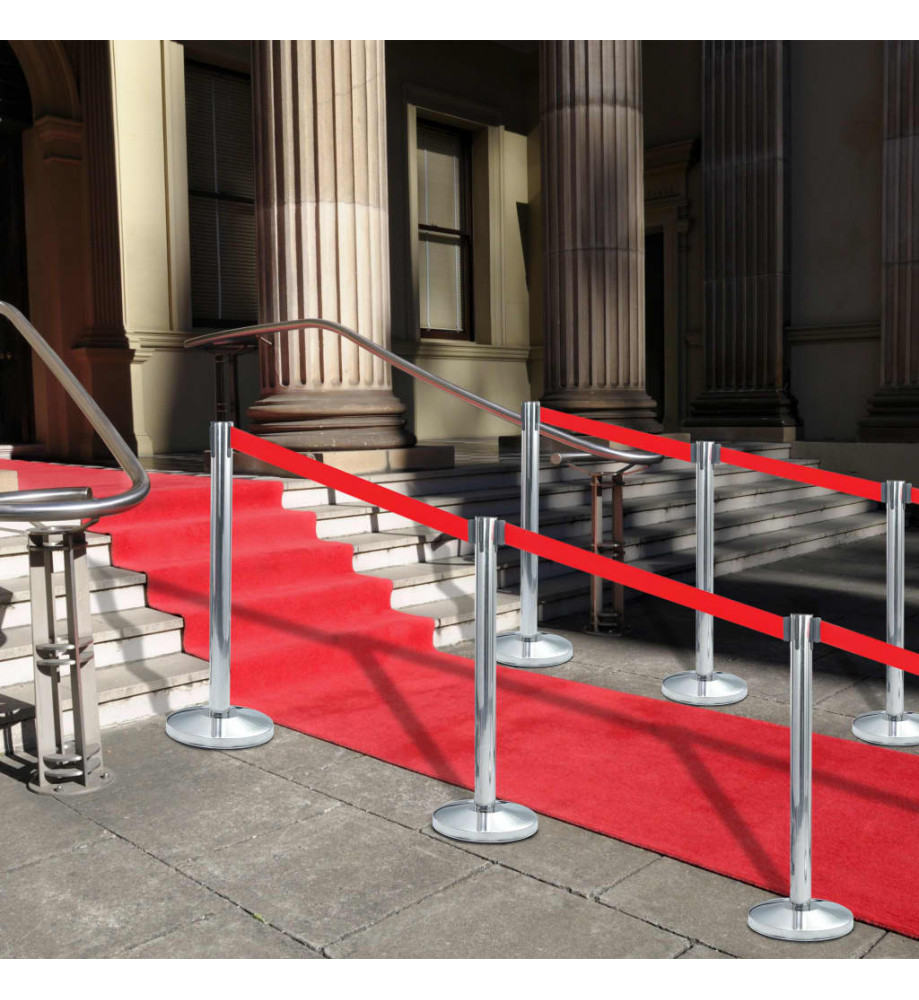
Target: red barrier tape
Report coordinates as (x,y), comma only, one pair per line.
(354,486)
(569,555)
(853,485)
(613,432)
(648,582)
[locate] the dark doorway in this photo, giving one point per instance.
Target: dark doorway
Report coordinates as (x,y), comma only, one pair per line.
(16,406)
(654,319)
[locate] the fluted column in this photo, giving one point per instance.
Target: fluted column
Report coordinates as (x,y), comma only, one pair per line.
(593,189)
(322,221)
(744,164)
(894,411)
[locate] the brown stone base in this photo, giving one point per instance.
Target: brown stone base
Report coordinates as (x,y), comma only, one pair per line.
(893,415)
(627,407)
(333,420)
(360,462)
(743,415)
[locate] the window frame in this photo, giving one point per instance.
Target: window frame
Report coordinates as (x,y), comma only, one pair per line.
(465,234)
(207,322)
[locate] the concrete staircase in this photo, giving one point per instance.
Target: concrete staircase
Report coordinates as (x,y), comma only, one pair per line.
(758,519)
(142,669)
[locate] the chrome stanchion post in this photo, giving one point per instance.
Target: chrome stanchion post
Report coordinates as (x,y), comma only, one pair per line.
(220,725)
(894,727)
(485,818)
(798,917)
(705,685)
(529,647)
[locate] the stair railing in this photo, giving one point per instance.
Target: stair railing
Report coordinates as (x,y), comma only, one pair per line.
(58,519)
(528,646)
(603,621)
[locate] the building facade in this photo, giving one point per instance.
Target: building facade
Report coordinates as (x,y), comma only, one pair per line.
(713,238)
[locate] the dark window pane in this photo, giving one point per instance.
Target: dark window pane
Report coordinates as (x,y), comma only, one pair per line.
(221,180)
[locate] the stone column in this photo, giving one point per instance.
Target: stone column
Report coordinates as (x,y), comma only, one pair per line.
(593,190)
(322,228)
(744,164)
(893,413)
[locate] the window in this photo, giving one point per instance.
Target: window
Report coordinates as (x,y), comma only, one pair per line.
(444,232)
(221,196)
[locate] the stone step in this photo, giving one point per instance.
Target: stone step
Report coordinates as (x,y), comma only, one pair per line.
(565,592)
(453,574)
(475,478)
(344,519)
(14,554)
(134,690)
(120,637)
(555,486)
(110,589)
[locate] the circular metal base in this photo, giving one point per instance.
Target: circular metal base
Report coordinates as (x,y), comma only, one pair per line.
(819,921)
(883,730)
(238,729)
(689,689)
(68,789)
(505,823)
(514,649)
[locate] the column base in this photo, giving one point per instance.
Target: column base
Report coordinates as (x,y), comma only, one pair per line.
(359,462)
(627,407)
(332,420)
(893,415)
(743,415)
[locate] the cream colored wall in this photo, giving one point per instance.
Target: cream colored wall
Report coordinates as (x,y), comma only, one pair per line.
(172,389)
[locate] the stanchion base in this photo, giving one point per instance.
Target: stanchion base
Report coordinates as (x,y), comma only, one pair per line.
(505,823)
(514,649)
(689,689)
(238,729)
(885,731)
(819,921)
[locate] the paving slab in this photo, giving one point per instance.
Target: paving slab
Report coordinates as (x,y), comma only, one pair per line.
(94,902)
(231,933)
(333,874)
(701,951)
(35,827)
(497,913)
(386,790)
(712,910)
(895,946)
(567,856)
(294,755)
(198,801)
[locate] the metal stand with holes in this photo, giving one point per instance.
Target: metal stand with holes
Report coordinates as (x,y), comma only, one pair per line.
(65,669)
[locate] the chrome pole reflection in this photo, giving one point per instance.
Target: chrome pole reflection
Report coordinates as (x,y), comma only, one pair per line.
(220,725)
(528,647)
(893,727)
(799,917)
(705,685)
(485,818)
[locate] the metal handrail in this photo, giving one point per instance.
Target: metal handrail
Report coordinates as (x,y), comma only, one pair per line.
(72,503)
(495,409)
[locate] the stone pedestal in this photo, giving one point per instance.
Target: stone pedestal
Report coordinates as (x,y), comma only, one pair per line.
(322,224)
(893,413)
(744,165)
(593,190)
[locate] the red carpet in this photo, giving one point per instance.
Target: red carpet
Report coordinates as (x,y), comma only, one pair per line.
(318,648)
